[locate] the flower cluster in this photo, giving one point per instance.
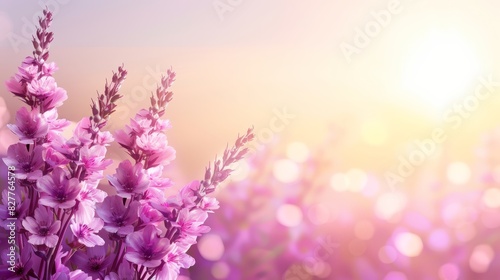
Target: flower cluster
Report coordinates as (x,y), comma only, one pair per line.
(65,220)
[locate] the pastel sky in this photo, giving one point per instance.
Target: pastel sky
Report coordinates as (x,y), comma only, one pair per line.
(235,70)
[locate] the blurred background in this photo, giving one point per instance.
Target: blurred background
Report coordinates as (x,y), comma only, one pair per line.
(376,124)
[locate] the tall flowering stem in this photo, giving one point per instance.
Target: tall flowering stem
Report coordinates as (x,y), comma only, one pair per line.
(65,220)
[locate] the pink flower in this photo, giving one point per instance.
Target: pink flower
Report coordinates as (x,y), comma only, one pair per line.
(155,141)
(104,138)
(29,125)
(54,158)
(125,138)
(141,123)
(55,100)
(191,222)
(27,163)
(146,248)
(53,120)
(209,204)
(94,159)
(43,228)
(86,233)
(155,178)
(118,218)
(81,135)
(174,261)
(43,87)
(148,214)
(129,179)
(15,86)
(89,195)
(161,157)
(57,191)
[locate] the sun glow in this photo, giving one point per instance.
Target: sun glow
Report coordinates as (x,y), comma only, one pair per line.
(441,68)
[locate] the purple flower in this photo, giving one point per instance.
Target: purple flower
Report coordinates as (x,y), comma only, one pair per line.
(94,262)
(22,265)
(30,125)
(118,218)
(86,232)
(129,179)
(27,163)
(19,212)
(125,272)
(43,228)
(57,191)
(146,248)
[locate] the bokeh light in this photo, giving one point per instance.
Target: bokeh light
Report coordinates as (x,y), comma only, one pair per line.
(481,257)
(220,270)
(298,152)
(408,244)
(449,271)
(289,215)
(389,204)
(286,170)
(211,247)
(458,173)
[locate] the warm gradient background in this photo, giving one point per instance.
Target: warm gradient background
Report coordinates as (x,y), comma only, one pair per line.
(235,70)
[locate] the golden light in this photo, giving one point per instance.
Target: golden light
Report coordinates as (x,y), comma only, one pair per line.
(440,68)
(374,132)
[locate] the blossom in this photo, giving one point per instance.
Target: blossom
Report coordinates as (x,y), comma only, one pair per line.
(148,214)
(19,212)
(81,135)
(129,179)
(86,233)
(125,272)
(173,262)
(89,195)
(191,222)
(94,261)
(42,87)
(43,228)
(155,141)
(30,125)
(22,266)
(155,177)
(93,158)
(117,218)
(146,248)
(53,120)
(57,191)
(26,162)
